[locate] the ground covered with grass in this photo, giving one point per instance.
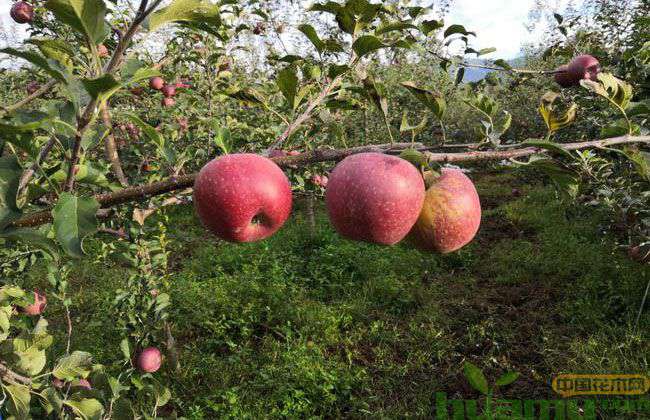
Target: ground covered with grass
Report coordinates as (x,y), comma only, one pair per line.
(309,324)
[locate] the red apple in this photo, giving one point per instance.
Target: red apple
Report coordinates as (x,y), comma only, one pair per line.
(374,197)
(293,152)
(102,51)
(167,102)
(168,91)
(149,360)
(32,87)
(83,383)
(36,308)
(242,197)
(583,67)
(58,383)
(22,12)
(156,83)
(451,214)
(564,78)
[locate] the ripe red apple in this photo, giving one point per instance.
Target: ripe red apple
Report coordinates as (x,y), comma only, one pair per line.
(242,197)
(451,214)
(156,83)
(319,180)
(564,79)
(33,86)
(58,383)
(22,12)
(293,152)
(149,360)
(102,51)
(583,67)
(183,123)
(374,197)
(36,308)
(168,102)
(168,91)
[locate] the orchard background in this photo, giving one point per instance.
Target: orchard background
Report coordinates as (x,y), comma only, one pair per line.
(117,302)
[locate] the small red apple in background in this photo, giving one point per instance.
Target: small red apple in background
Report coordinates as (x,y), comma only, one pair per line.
(564,78)
(33,86)
(168,91)
(102,51)
(242,197)
(182,85)
(183,123)
(374,197)
(156,83)
(293,153)
(58,383)
(639,254)
(36,308)
(136,91)
(83,383)
(583,67)
(451,214)
(149,360)
(22,12)
(277,153)
(168,102)
(516,192)
(319,180)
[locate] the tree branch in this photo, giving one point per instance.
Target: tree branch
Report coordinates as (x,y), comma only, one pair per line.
(27,175)
(110,149)
(488,67)
(40,92)
(10,376)
(325,155)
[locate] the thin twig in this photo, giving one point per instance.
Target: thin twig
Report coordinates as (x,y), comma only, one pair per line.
(47,87)
(27,175)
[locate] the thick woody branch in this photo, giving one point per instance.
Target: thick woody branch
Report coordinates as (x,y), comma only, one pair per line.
(9,375)
(327,155)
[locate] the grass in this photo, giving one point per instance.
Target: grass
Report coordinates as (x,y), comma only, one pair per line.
(308,324)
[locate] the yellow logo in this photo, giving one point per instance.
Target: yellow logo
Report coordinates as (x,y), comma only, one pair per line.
(568,385)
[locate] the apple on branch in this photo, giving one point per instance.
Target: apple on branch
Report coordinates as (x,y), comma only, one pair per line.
(242,197)
(374,197)
(451,214)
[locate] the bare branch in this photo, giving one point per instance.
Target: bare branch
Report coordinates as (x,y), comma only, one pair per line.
(27,175)
(40,92)
(110,148)
(323,155)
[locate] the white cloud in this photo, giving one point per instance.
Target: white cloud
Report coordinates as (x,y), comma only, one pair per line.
(498,24)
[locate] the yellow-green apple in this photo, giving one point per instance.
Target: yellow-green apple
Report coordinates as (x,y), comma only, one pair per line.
(451,214)
(374,197)
(242,197)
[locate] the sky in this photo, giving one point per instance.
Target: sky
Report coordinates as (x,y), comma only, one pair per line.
(498,23)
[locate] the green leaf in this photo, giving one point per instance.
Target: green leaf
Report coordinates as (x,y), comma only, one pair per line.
(74,366)
(611,88)
(31,361)
(507,378)
(548,111)
(54,49)
(125,348)
(394,26)
(475,377)
(85,16)
(336,70)
(366,44)
(187,11)
(37,60)
(459,75)
(373,91)
(74,219)
(503,64)
(53,401)
(18,400)
(287,82)
(123,410)
(432,100)
(428,26)
(87,408)
(10,173)
(638,108)
(457,29)
(311,34)
(34,239)
(102,87)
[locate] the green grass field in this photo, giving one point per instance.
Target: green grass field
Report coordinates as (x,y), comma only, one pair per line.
(308,324)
